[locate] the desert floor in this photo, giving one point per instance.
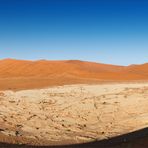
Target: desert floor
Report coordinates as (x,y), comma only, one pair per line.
(72,113)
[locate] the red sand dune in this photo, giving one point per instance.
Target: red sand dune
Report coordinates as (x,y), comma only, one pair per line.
(43,73)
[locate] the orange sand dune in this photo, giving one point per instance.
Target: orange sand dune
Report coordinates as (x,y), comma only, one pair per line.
(24,74)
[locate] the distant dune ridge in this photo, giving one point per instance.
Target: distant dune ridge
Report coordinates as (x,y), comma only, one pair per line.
(27,73)
(41,68)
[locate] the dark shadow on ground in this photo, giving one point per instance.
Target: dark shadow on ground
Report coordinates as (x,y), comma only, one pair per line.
(137,139)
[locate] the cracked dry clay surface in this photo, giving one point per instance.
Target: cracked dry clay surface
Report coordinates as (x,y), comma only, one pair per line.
(72,113)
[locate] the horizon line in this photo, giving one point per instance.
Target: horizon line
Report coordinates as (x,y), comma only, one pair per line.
(37,60)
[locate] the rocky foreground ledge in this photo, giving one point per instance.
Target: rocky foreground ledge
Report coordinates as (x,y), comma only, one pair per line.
(72,114)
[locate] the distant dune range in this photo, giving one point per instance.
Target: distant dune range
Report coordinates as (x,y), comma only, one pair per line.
(23,74)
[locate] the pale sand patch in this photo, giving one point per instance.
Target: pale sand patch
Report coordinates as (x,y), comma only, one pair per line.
(78,113)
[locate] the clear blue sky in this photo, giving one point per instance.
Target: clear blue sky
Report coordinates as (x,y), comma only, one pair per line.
(107,31)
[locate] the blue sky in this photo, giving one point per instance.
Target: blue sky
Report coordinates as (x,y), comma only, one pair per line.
(106,31)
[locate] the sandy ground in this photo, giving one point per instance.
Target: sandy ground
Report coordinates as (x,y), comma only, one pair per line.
(72,113)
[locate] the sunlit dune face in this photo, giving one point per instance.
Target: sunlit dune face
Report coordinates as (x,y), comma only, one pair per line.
(21,74)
